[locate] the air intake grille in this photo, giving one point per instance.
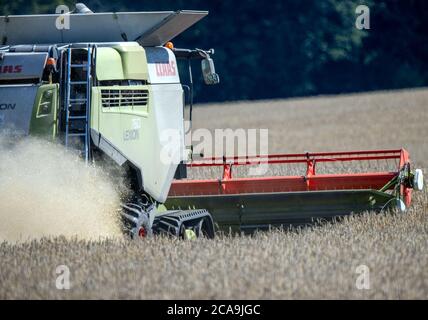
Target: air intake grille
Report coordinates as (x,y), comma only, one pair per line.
(124,98)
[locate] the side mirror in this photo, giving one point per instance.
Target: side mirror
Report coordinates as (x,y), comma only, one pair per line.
(208,71)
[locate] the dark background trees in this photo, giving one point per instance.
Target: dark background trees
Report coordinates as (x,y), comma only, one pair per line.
(276,48)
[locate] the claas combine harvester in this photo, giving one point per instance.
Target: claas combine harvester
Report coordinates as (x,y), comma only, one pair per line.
(108,85)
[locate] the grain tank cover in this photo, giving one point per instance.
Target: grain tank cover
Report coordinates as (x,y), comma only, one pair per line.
(147,28)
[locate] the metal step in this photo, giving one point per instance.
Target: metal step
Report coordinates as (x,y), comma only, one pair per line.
(76,134)
(78,100)
(78,82)
(76,117)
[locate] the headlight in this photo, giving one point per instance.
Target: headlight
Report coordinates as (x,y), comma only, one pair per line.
(45,106)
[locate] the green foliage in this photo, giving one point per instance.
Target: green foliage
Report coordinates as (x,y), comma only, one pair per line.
(292,48)
(8,7)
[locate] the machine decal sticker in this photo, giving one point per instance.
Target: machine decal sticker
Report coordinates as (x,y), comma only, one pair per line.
(166,69)
(11,69)
(133,134)
(136,124)
(7,106)
(162,65)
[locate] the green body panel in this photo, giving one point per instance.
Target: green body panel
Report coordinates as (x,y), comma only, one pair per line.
(136,111)
(131,123)
(122,63)
(109,64)
(246,212)
(44,120)
(137,132)
(133,62)
(109,119)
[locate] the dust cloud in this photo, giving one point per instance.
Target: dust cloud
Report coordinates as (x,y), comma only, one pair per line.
(46,191)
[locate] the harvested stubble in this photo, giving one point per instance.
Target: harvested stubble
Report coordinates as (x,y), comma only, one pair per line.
(318,262)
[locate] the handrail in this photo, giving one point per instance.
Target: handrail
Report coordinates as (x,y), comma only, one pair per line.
(300,158)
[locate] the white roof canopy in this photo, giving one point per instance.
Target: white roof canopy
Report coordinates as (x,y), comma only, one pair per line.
(148,28)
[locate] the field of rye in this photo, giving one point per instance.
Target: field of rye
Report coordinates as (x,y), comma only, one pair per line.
(318,262)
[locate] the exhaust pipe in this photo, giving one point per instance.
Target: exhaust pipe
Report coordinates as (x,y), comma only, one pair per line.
(82,8)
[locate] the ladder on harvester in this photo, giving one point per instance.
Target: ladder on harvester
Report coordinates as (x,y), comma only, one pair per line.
(78,100)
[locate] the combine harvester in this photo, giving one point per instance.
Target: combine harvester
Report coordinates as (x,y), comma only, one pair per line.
(108,86)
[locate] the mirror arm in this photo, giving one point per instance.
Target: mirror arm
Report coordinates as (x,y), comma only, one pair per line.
(197,54)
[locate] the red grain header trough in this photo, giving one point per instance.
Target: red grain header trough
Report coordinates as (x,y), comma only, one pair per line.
(322,185)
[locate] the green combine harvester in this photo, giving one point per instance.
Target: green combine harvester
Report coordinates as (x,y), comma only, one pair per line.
(108,86)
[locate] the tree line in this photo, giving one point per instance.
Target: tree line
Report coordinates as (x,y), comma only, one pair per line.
(277,49)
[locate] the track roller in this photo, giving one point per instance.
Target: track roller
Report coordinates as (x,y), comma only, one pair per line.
(185,224)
